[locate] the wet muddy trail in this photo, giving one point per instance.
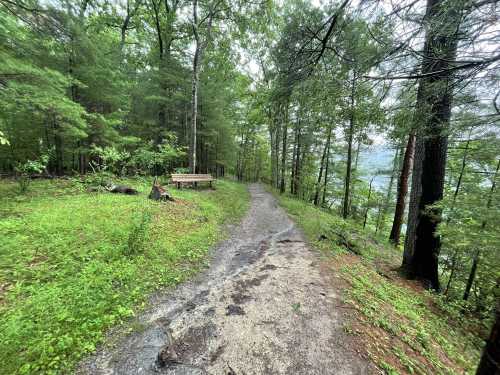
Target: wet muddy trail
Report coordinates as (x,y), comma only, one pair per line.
(262,307)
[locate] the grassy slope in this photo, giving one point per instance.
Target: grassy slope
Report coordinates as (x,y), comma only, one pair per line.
(73,264)
(403,329)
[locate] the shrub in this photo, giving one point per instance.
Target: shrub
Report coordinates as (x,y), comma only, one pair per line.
(27,169)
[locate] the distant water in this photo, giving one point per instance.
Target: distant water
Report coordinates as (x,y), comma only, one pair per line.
(376,161)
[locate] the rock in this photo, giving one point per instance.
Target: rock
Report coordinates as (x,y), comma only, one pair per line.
(234,310)
(167,357)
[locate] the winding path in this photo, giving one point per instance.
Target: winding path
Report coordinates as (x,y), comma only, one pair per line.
(263,307)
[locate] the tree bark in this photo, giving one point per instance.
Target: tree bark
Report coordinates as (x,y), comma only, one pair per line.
(490,360)
(397,222)
(435,106)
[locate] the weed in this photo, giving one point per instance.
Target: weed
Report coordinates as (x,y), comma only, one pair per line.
(138,232)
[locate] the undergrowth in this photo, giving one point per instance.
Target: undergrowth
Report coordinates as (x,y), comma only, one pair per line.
(73,264)
(404,329)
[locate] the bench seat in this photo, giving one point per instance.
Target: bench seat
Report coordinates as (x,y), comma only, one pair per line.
(184,178)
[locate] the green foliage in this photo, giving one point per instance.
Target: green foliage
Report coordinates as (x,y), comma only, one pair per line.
(30,167)
(152,159)
(3,140)
(138,232)
(74,264)
(108,159)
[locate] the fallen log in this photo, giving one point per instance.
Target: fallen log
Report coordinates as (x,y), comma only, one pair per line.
(122,189)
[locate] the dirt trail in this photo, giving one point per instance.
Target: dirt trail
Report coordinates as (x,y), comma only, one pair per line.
(263,307)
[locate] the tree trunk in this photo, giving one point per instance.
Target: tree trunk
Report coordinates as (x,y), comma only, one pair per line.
(347,183)
(58,145)
(272,137)
(284,149)
(298,159)
(320,175)
(197,59)
(194,109)
(490,360)
(416,189)
(472,275)
(402,190)
(460,177)
(435,105)
(294,162)
(323,200)
(368,203)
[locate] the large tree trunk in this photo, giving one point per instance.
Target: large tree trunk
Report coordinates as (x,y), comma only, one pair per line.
(194,109)
(434,106)
(490,360)
(350,135)
(201,44)
(402,190)
(416,189)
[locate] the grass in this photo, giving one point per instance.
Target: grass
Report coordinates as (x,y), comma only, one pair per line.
(73,264)
(403,328)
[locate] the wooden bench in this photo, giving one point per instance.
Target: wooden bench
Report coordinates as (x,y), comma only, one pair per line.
(181,179)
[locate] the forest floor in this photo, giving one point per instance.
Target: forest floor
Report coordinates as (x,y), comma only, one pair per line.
(266,305)
(75,263)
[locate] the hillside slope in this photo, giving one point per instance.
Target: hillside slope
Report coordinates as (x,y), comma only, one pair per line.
(400,326)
